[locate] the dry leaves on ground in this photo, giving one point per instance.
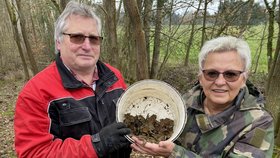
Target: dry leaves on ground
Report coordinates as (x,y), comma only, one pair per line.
(8,95)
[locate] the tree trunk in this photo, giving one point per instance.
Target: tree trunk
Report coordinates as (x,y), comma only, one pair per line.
(273,85)
(16,34)
(272,95)
(111,32)
(277,130)
(147,22)
(168,46)
(32,24)
(156,51)
(1,56)
(139,39)
(269,42)
(246,18)
(271,10)
(129,53)
(119,11)
(171,36)
(25,39)
(204,23)
(191,38)
(259,51)
(140,5)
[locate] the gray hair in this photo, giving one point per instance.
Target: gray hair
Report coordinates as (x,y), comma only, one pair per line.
(74,8)
(225,44)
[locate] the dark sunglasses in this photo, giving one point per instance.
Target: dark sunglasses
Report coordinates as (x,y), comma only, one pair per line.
(80,38)
(229,75)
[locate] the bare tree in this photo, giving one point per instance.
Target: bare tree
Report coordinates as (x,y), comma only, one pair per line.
(246,18)
(111,32)
(31,10)
(191,38)
(118,11)
(158,27)
(273,85)
(128,52)
(147,28)
(271,12)
(226,16)
(139,36)
(203,33)
(29,51)
(13,18)
(172,36)
(259,51)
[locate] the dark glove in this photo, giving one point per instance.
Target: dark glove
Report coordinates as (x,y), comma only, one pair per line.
(110,138)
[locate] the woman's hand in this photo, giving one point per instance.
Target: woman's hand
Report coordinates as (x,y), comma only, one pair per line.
(163,148)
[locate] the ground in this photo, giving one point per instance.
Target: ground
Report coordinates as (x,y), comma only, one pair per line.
(8,94)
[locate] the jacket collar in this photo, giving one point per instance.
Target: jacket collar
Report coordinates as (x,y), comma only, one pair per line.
(68,79)
(245,100)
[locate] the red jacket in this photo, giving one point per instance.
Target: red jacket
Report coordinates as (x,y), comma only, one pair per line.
(56,114)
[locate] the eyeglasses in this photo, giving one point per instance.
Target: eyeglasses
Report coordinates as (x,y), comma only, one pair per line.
(80,38)
(229,75)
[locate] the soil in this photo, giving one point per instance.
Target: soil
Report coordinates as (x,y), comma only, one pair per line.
(149,128)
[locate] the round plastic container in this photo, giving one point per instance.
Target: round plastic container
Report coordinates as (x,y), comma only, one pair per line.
(148,97)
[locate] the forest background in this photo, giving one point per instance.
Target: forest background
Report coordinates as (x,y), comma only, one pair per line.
(157,39)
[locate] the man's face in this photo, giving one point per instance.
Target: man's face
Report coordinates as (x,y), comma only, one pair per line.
(79,56)
(220,92)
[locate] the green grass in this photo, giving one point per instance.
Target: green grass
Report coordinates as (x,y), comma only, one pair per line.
(174,43)
(258,47)
(177,46)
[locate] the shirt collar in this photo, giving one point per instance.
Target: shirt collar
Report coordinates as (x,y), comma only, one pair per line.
(95,76)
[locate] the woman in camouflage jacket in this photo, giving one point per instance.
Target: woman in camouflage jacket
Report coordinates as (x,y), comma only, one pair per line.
(225,116)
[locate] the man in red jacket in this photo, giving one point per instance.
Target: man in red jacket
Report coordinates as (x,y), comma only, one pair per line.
(68,109)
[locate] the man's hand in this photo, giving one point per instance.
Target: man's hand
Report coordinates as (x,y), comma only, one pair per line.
(110,138)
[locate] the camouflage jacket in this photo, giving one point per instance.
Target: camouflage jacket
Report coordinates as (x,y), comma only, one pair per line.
(245,129)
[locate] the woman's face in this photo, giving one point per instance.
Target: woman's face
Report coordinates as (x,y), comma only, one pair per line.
(220,92)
